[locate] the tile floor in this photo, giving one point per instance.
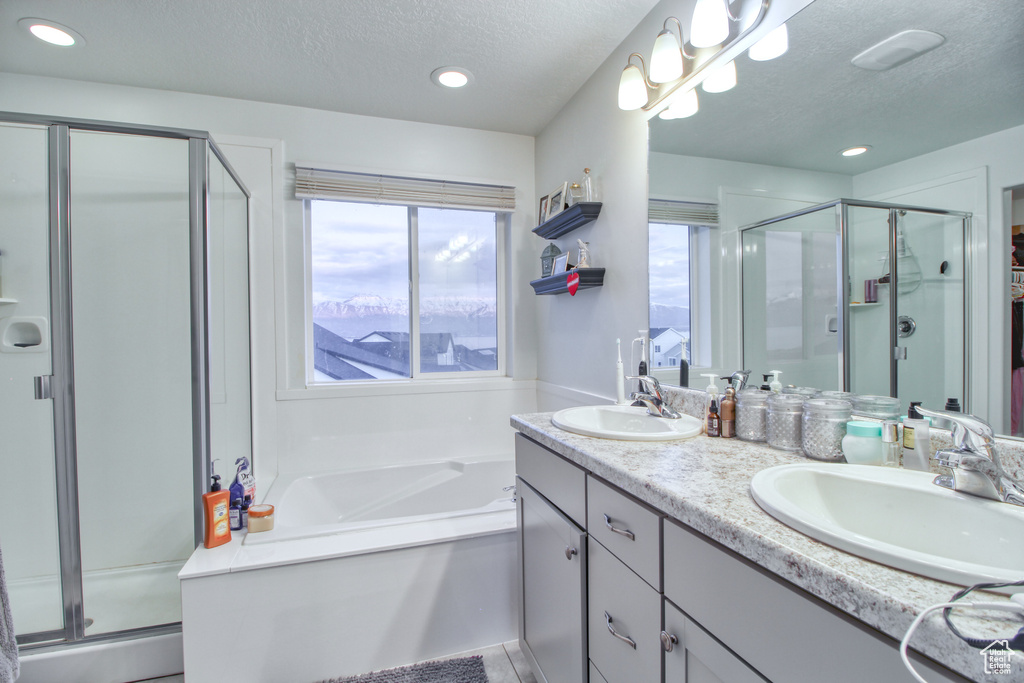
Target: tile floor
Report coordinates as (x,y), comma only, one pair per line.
(503,663)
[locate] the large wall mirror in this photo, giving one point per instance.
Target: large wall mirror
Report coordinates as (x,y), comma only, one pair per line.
(771,146)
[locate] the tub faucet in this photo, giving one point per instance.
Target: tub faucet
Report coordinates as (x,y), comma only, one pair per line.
(651,397)
(973,460)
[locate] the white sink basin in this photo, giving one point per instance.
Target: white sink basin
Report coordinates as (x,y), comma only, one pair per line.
(899,518)
(626,423)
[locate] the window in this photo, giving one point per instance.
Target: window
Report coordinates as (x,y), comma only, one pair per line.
(680,282)
(403,291)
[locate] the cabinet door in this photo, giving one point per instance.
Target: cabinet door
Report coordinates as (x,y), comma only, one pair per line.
(552,570)
(693,656)
(624,617)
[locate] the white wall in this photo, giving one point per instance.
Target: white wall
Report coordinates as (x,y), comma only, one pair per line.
(972,176)
(343,427)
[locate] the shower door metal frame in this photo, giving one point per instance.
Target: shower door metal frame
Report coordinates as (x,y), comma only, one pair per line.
(842,207)
(61,344)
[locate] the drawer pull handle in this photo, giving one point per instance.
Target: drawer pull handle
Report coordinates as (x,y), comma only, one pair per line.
(625,639)
(668,641)
(569,552)
(622,532)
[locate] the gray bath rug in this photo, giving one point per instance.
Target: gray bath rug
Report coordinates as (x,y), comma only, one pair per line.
(460,670)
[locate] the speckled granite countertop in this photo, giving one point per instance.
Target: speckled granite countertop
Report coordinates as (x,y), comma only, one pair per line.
(704,483)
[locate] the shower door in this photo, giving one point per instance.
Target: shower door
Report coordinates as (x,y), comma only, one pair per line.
(929,325)
(116,244)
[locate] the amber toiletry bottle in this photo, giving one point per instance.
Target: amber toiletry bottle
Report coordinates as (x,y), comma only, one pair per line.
(217,530)
(728,413)
(714,421)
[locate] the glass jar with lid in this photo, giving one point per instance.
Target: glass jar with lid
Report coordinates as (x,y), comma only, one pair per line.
(752,414)
(823,428)
(877,407)
(841,395)
(806,392)
(785,414)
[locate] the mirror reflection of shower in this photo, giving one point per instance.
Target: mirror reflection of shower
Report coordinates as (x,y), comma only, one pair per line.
(861,337)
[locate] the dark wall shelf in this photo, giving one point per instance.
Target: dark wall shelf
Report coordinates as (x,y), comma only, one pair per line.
(556,284)
(575,216)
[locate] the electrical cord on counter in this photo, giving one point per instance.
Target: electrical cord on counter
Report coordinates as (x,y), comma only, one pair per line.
(1016,605)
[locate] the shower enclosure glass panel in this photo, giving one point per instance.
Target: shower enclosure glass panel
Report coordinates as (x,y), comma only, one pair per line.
(930,319)
(132,374)
(790,320)
(869,350)
(28,507)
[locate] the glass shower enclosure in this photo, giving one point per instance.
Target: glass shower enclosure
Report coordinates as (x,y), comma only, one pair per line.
(124,354)
(860,296)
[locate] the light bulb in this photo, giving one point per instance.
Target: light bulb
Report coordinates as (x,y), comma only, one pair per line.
(709,25)
(681,106)
(632,88)
(771,46)
(721,79)
(666,58)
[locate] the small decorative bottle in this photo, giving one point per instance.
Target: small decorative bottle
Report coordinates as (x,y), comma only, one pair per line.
(587,185)
(728,416)
(890,445)
(714,422)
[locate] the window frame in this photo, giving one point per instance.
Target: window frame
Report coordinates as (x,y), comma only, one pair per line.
(502,220)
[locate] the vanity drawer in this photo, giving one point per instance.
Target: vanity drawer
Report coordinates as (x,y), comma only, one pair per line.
(629,529)
(554,477)
(624,620)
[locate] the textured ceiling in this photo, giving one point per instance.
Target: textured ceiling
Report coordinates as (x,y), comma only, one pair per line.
(371,57)
(799,110)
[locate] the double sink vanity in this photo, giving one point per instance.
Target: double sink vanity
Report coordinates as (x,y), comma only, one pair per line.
(651,560)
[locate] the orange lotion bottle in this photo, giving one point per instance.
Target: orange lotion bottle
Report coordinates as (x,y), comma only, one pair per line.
(216,507)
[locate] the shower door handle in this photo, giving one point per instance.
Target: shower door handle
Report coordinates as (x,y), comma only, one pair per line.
(43,389)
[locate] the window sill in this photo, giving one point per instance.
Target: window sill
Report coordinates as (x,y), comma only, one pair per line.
(404,387)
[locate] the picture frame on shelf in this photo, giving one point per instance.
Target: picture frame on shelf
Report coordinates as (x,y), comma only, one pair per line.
(542,211)
(556,201)
(561,263)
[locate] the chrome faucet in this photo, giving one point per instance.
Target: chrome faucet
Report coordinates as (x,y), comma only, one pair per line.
(650,396)
(973,461)
(738,379)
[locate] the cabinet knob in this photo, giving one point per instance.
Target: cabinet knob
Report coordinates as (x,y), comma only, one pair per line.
(668,641)
(570,551)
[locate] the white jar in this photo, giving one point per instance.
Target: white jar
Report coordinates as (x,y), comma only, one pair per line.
(862,444)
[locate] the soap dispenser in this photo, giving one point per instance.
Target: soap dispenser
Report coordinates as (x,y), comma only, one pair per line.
(776,385)
(765,379)
(217,530)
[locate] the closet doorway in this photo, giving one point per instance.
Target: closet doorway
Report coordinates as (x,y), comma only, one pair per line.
(1017,312)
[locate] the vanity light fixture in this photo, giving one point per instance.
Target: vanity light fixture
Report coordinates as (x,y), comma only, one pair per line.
(773,45)
(451,76)
(711,34)
(51,32)
(633,84)
(681,106)
(709,25)
(855,151)
(721,79)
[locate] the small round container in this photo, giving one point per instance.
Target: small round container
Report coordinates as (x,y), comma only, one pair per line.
(261,518)
(806,392)
(823,428)
(752,414)
(862,444)
(785,414)
(877,407)
(840,395)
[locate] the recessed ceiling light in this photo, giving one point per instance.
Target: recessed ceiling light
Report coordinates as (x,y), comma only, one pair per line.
(855,151)
(51,32)
(451,76)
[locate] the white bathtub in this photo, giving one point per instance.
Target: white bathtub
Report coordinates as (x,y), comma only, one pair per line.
(364,570)
(330,503)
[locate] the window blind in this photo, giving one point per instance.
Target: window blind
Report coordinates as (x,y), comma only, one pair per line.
(682,213)
(317,183)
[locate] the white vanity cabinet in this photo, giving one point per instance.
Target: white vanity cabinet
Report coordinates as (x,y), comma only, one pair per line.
(552,564)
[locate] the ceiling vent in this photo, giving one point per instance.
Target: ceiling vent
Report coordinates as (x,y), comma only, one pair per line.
(898,49)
